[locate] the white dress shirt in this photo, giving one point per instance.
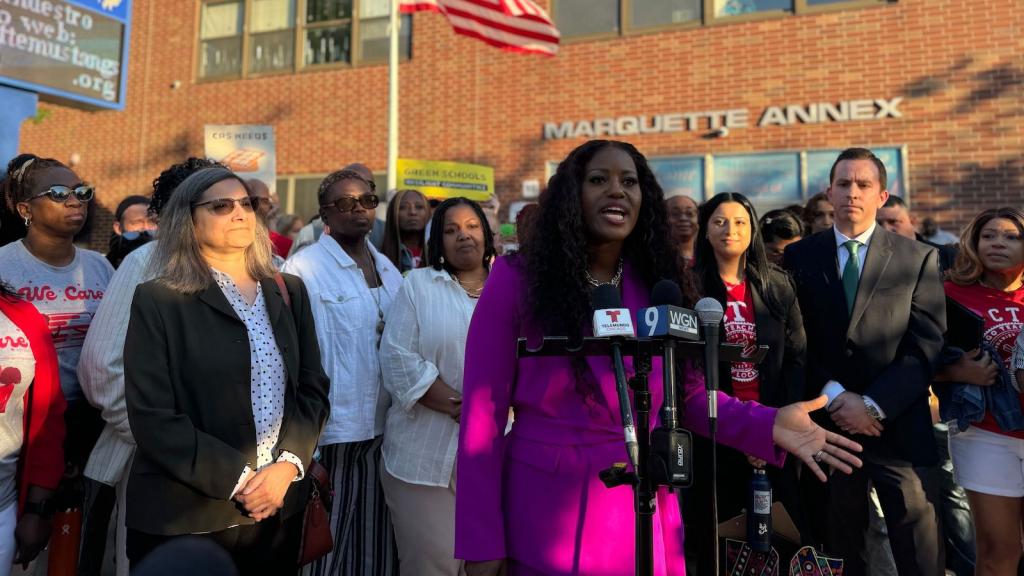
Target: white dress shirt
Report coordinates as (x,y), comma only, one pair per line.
(832,388)
(425,339)
(101,368)
(346,315)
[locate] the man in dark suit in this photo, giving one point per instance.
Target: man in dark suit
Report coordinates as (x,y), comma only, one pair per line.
(874,315)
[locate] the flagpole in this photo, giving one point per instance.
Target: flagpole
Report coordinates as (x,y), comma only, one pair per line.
(394,37)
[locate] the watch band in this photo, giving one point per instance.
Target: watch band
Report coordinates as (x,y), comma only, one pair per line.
(872,411)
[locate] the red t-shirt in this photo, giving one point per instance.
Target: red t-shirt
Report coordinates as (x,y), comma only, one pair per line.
(417,255)
(1004,317)
(740,329)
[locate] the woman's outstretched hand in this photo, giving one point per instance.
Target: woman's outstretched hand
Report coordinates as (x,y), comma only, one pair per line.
(796,433)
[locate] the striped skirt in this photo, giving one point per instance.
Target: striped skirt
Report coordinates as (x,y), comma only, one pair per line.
(364,540)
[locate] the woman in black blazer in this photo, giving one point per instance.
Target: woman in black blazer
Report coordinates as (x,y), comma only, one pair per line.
(225,393)
(760,306)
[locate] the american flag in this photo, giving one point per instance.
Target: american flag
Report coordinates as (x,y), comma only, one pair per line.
(513,25)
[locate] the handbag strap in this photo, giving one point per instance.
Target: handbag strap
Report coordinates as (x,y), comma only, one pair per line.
(284,290)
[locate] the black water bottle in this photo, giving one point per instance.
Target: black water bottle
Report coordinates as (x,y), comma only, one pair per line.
(759,512)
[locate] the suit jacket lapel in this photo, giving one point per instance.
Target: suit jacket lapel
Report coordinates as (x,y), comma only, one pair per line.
(274,299)
(828,260)
(875,263)
(214,298)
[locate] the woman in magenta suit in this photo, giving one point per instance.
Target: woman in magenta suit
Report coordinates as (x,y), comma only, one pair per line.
(530,502)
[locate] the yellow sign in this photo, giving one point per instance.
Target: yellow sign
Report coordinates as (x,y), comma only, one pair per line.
(446,179)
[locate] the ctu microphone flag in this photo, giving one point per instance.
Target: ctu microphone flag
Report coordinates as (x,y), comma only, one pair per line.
(512,25)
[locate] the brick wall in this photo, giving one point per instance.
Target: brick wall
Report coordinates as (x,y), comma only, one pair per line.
(957,64)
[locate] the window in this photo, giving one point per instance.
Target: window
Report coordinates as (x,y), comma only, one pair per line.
(271,36)
(373,31)
(251,37)
(220,39)
(727,8)
(656,13)
(588,19)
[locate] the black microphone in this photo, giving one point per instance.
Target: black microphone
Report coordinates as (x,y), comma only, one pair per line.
(611,319)
(710,312)
(667,293)
(671,446)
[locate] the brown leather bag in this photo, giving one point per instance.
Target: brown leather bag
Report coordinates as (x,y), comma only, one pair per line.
(317,540)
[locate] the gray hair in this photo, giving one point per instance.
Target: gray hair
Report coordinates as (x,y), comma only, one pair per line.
(177,260)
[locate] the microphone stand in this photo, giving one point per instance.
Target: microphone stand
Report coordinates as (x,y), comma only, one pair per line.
(644,492)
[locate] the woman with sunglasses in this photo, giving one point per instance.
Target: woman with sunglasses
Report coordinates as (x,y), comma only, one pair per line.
(225,394)
(352,286)
(64,282)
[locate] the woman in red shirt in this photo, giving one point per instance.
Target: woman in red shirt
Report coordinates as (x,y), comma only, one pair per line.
(731,266)
(32,424)
(988,278)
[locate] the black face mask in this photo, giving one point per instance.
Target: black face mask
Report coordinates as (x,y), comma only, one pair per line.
(122,245)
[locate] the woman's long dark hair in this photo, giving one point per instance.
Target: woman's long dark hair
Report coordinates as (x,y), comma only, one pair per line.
(757,270)
(555,251)
(393,235)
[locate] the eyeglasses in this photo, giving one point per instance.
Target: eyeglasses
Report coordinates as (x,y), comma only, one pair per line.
(61,193)
(348,203)
(225,206)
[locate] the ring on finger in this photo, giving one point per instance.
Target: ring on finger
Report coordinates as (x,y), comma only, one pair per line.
(818,455)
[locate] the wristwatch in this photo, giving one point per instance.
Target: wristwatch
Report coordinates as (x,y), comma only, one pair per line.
(872,411)
(44,508)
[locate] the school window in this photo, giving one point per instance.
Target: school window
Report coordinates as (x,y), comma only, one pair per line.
(595,19)
(242,38)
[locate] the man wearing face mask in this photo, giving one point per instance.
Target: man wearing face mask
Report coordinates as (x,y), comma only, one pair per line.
(133,226)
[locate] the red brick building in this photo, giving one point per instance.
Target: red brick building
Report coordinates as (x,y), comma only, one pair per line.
(938,85)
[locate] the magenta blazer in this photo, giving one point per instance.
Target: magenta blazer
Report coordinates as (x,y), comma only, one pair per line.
(534,496)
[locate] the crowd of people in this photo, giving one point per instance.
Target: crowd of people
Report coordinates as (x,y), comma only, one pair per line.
(183,384)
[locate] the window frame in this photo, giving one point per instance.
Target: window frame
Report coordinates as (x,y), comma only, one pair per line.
(707,18)
(299,29)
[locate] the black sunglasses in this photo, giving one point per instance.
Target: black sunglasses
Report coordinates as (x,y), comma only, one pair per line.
(348,203)
(225,206)
(61,193)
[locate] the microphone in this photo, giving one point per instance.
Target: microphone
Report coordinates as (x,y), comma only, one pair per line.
(710,312)
(666,316)
(671,446)
(611,319)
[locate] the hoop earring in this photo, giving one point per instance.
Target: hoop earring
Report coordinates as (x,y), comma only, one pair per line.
(28,222)
(442,259)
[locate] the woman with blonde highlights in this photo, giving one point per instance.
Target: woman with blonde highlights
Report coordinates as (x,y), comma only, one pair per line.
(988,279)
(225,393)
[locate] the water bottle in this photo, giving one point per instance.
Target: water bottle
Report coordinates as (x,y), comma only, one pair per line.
(759,512)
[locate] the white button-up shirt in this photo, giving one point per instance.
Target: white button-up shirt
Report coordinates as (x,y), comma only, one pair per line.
(346,315)
(425,338)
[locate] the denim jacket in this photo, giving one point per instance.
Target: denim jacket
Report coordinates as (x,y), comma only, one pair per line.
(966,403)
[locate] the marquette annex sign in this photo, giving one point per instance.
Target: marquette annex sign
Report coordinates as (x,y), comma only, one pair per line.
(786,115)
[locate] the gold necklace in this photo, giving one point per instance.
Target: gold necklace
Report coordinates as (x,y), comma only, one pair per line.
(467,287)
